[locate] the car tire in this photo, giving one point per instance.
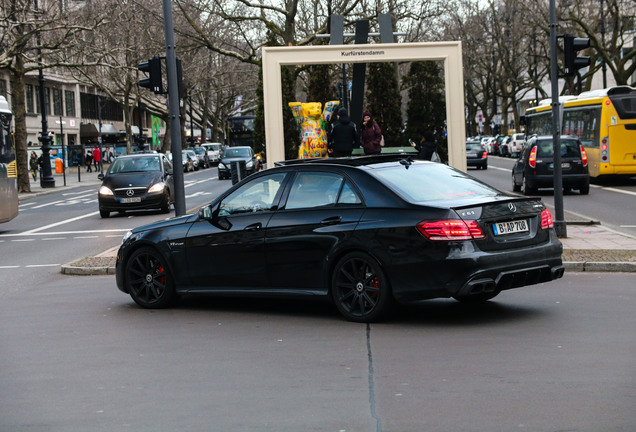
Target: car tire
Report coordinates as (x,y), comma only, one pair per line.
(584,189)
(527,189)
(515,186)
(165,207)
(360,289)
(104,213)
(148,281)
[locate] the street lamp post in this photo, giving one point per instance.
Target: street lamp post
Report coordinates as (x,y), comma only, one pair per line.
(46,179)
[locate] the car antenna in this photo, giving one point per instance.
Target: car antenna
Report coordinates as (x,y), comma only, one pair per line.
(406,162)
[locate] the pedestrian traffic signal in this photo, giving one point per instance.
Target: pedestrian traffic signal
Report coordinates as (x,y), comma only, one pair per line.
(153,68)
(571,46)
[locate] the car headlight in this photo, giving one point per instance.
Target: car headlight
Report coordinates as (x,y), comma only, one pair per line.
(157,187)
(103,190)
(126,236)
(221,165)
(249,165)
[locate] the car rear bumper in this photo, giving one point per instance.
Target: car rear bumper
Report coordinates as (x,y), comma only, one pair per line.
(466,270)
(569,180)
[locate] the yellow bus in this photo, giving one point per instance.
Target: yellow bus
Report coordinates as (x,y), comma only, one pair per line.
(605,122)
(8,170)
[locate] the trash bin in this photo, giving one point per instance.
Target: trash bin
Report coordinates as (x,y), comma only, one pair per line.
(59,167)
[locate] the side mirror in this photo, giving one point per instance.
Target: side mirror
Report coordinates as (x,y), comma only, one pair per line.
(100,176)
(205,213)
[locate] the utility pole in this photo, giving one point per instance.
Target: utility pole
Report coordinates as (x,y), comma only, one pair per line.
(559,222)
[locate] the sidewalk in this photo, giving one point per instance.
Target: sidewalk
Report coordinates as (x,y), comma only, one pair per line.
(589,246)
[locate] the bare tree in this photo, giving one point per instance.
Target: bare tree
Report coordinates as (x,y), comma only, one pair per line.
(44,37)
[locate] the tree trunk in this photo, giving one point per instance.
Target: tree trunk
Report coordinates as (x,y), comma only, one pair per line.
(20,135)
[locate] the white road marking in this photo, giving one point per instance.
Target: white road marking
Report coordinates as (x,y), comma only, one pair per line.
(9,267)
(33,233)
(41,265)
(48,204)
(85,237)
(61,223)
(23,240)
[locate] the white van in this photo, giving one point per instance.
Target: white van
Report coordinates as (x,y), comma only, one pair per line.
(516,144)
(214,151)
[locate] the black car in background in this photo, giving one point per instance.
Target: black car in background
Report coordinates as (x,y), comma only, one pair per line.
(364,232)
(243,155)
(137,182)
(476,155)
(535,167)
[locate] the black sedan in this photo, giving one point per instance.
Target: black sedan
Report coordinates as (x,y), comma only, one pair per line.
(476,155)
(136,182)
(243,155)
(364,232)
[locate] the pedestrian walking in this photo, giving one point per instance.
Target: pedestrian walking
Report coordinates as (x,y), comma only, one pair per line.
(427,147)
(89,161)
(370,135)
(97,158)
(343,137)
(34,165)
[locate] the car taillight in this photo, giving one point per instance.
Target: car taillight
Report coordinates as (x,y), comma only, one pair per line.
(451,229)
(484,155)
(546,219)
(583,156)
(532,160)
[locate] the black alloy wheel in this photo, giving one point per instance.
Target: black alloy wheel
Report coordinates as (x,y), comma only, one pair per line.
(148,281)
(359,288)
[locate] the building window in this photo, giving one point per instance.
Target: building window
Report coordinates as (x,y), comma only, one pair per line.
(57,102)
(29,98)
(70,103)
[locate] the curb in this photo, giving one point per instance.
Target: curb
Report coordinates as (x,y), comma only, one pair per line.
(591,266)
(69,269)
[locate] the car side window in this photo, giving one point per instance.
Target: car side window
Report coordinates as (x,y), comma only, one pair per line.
(349,195)
(256,196)
(314,189)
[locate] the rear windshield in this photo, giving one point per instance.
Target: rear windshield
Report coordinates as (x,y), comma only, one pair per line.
(432,182)
(569,148)
(474,147)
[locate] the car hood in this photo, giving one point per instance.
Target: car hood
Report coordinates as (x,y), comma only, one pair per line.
(165,223)
(133,179)
(228,160)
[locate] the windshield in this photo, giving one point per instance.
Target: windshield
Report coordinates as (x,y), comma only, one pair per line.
(236,152)
(199,150)
(432,182)
(569,148)
(145,163)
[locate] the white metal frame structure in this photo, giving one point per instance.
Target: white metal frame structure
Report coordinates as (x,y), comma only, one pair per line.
(448,52)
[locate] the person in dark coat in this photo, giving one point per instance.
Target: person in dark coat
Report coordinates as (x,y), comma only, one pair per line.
(370,135)
(343,137)
(426,147)
(34,165)
(89,161)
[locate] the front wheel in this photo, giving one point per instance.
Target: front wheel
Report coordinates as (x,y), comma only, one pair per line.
(360,289)
(104,213)
(148,281)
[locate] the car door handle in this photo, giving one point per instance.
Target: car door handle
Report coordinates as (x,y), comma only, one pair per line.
(331,220)
(253,227)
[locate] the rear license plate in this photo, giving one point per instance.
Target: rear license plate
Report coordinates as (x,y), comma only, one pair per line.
(130,200)
(512,227)
(563,165)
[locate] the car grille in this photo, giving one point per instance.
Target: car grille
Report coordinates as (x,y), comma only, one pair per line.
(130,192)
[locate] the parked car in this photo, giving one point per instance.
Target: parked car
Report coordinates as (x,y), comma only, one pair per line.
(364,232)
(135,182)
(202,155)
(242,154)
(534,169)
(186,161)
(214,151)
(476,155)
(517,142)
(503,146)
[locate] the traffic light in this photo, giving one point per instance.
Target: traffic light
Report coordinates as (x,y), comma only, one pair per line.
(571,46)
(153,68)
